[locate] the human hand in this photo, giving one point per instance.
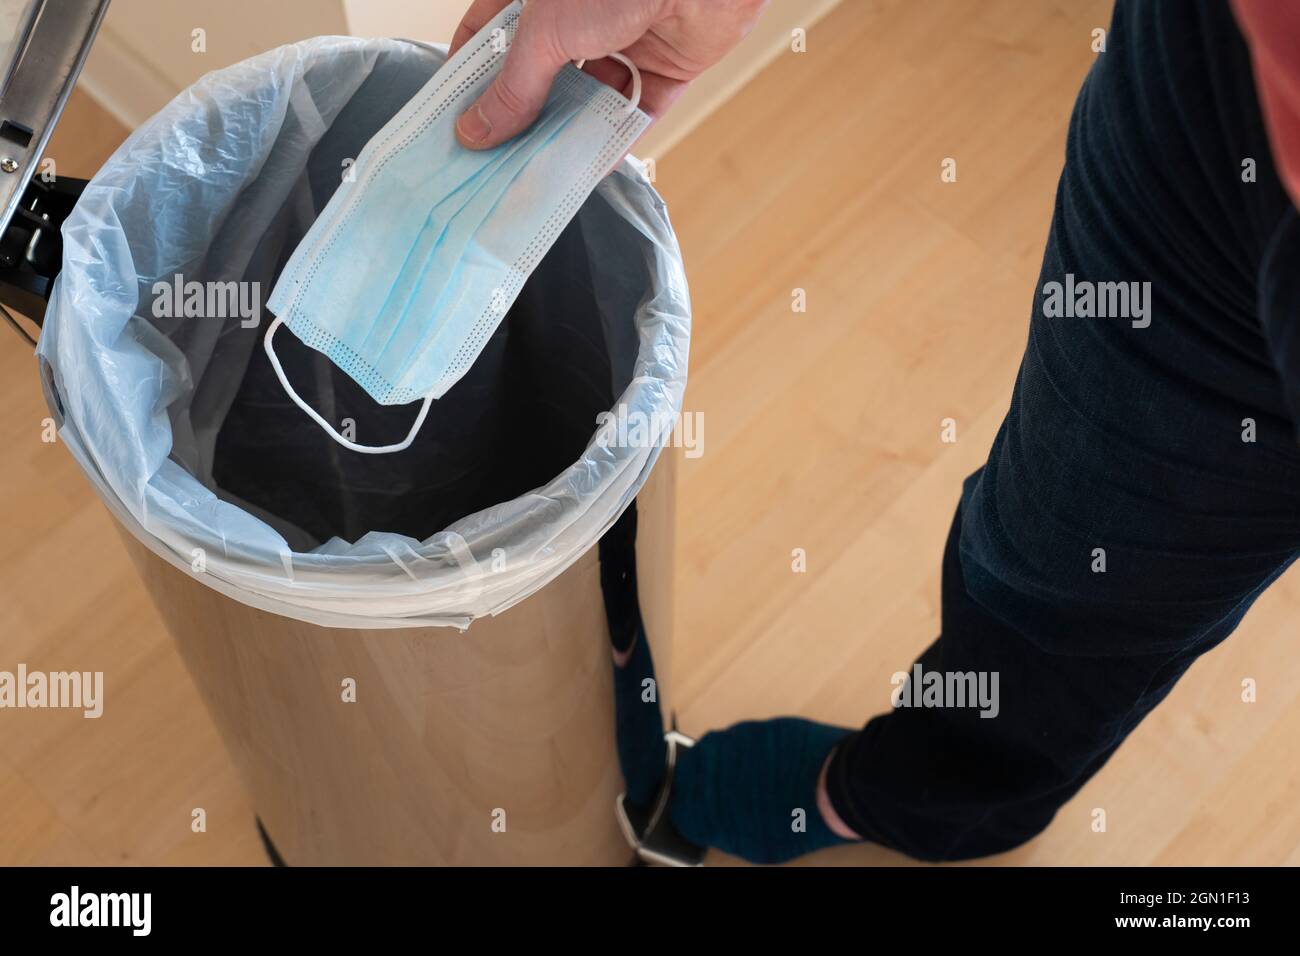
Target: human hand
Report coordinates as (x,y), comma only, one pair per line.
(670,41)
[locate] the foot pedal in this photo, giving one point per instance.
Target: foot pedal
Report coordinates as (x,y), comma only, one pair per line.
(648,830)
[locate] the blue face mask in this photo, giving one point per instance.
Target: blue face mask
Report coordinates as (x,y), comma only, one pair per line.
(413,264)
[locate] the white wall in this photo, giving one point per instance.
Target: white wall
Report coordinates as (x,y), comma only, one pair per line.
(143,56)
(433,21)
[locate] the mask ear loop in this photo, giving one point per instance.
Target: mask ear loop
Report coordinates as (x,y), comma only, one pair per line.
(635,100)
(328,428)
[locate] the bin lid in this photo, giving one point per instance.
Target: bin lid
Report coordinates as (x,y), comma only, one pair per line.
(43,45)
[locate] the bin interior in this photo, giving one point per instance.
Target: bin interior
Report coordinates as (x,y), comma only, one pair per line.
(521,415)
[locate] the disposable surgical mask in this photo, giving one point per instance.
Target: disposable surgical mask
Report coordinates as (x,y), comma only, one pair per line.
(411,266)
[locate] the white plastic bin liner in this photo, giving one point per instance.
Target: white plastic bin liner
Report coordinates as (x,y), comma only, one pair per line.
(170,419)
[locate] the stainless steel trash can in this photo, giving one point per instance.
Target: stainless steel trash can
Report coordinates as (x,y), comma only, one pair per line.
(489,747)
(304,585)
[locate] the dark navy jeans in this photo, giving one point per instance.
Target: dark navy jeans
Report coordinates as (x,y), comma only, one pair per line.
(1126,442)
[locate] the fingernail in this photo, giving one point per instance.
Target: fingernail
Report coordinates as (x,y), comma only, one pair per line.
(473,125)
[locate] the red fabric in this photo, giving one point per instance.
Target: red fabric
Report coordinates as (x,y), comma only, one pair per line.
(1272,27)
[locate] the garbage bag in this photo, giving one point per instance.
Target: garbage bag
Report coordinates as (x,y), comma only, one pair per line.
(183,430)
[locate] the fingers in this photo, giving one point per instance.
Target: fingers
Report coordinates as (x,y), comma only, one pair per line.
(479,15)
(519,92)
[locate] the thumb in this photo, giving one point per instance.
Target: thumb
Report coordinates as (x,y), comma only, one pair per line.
(515,98)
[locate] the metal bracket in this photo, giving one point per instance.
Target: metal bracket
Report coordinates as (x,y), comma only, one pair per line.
(31,247)
(649,831)
(47,53)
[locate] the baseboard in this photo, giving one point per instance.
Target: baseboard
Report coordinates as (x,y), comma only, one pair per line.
(769,40)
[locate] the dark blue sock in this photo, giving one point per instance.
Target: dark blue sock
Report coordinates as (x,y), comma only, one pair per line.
(637,721)
(639,726)
(741,789)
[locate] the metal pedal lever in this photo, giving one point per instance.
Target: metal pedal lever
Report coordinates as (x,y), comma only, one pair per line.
(648,830)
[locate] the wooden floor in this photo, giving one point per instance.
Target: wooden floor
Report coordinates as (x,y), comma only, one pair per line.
(822,433)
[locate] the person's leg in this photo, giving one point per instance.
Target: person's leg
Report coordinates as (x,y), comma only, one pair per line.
(638,724)
(1122,525)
